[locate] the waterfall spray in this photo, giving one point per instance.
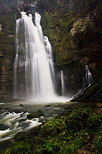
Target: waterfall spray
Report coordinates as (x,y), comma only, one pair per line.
(32,60)
(34,75)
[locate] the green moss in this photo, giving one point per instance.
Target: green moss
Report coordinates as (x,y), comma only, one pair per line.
(68,134)
(98,141)
(57,28)
(64,135)
(35,114)
(19,148)
(94,90)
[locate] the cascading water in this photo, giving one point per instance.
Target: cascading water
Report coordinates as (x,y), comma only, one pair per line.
(62,84)
(50,57)
(33,62)
(34,76)
(88,79)
(12,123)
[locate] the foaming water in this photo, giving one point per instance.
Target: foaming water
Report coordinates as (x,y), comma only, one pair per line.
(12,123)
(34,76)
(43,100)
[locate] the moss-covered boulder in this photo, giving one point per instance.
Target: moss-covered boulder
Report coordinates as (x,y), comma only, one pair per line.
(21,136)
(91,94)
(36,114)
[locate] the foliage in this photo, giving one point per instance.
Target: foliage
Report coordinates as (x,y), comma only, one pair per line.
(65,135)
(19,148)
(58,22)
(94,90)
(57,27)
(98,141)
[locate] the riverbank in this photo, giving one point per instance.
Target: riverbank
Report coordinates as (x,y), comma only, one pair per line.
(66,127)
(71,127)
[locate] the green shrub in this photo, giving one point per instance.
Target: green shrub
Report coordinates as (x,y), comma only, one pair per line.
(77,119)
(98,141)
(19,148)
(64,135)
(52,127)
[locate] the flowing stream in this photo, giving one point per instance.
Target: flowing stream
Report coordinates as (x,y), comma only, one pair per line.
(11,123)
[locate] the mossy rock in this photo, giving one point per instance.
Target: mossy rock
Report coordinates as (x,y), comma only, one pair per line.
(21,136)
(19,148)
(35,131)
(91,94)
(37,114)
(3,127)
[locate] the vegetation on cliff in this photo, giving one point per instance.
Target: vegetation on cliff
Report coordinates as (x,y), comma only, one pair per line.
(7,53)
(91,94)
(74,29)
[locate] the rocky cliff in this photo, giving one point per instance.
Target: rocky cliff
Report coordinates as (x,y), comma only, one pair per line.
(74,28)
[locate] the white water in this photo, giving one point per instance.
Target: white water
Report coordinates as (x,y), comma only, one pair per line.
(15,122)
(62,84)
(50,58)
(34,64)
(88,79)
(34,76)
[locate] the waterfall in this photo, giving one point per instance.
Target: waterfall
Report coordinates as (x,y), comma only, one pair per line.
(62,84)
(33,66)
(50,58)
(88,79)
(34,75)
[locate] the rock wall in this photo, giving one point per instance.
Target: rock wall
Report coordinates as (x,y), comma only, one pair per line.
(74,28)
(75,33)
(7,46)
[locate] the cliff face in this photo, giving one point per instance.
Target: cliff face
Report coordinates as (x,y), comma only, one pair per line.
(6,6)
(74,28)
(7,46)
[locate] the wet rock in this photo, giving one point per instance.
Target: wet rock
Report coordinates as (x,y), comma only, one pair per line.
(15,110)
(42,119)
(35,131)
(37,114)
(4,145)
(48,106)
(3,127)
(21,136)
(21,105)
